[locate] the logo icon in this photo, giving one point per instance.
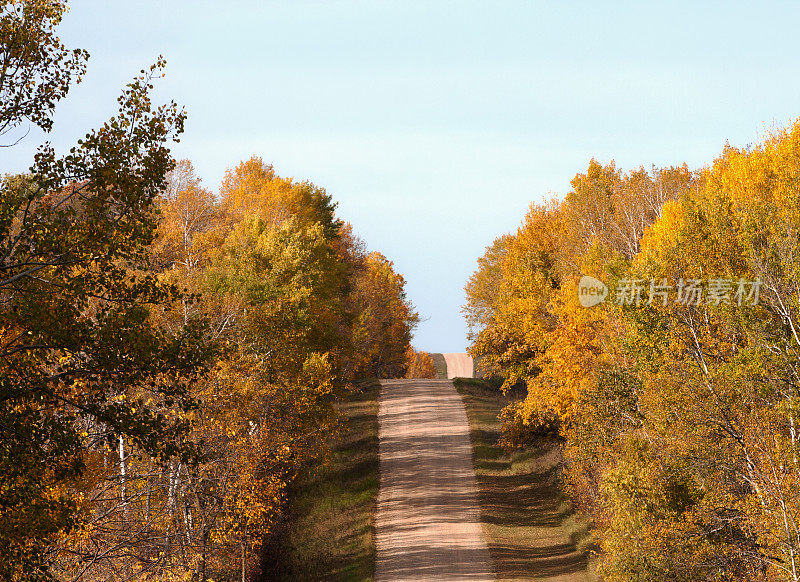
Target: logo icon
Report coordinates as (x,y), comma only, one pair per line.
(591,291)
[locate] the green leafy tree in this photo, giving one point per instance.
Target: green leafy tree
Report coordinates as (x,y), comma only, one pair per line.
(37,69)
(79,358)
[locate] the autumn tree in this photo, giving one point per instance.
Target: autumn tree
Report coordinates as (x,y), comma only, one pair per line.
(509,294)
(170,356)
(384,319)
(275,288)
(420,365)
(728,365)
(678,417)
(523,297)
(81,369)
(38,70)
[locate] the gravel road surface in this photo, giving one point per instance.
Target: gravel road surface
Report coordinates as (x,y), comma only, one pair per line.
(459,365)
(428,520)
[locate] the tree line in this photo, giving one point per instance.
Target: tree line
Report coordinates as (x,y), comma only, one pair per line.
(171,356)
(676,397)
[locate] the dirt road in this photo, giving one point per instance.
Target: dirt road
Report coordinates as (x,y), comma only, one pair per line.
(428,521)
(459,365)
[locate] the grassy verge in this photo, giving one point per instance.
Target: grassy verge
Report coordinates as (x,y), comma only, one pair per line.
(328,529)
(441,366)
(529,525)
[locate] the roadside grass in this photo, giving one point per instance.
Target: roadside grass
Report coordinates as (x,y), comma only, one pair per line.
(327,532)
(530,526)
(441,366)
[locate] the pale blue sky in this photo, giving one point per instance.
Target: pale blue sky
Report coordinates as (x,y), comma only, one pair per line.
(435,124)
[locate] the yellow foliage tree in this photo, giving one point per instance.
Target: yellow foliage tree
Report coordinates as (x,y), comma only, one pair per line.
(420,365)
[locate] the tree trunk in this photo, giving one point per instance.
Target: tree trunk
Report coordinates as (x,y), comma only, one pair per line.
(244,556)
(123,475)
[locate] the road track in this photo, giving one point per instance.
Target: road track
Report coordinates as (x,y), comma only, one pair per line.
(428,518)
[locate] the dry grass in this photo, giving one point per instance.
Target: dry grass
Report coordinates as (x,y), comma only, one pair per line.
(441,366)
(328,531)
(528,523)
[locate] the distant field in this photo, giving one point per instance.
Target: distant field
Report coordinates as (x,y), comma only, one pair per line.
(328,530)
(528,523)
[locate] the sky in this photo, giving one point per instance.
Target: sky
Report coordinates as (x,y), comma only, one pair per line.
(435,124)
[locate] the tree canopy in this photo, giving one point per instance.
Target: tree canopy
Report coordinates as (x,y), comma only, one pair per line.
(170,356)
(677,396)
